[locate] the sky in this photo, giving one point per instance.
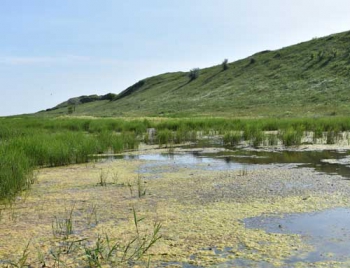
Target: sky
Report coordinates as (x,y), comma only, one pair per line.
(53,50)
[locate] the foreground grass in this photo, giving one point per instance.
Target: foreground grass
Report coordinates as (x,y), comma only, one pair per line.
(26,146)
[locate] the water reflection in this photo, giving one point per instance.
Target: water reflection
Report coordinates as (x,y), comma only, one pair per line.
(241,159)
(327,231)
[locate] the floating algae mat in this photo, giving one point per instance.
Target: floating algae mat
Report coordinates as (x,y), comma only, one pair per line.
(201,197)
(328,232)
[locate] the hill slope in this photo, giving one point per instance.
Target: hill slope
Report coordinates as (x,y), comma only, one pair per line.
(307,79)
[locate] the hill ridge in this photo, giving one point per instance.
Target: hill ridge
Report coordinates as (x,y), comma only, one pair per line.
(307,79)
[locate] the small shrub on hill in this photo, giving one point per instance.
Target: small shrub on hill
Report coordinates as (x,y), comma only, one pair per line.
(193,74)
(225,64)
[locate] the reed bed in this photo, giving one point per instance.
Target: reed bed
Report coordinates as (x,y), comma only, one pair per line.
(30,142)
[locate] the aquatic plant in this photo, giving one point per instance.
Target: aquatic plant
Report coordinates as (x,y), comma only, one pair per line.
(27,143)
(291,136)
(232,138)
(63,227)
(22,261)
(141,189)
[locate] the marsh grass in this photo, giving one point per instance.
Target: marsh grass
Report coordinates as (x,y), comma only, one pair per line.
(102,251)
(141,186)
(29,143)
(22,261)
(92,216)
(116,178)
(271,140)
(105,250)
(232,138)
(291,136)
(63,227)
(103,176)
(243,171)
(16,172)
(164,137)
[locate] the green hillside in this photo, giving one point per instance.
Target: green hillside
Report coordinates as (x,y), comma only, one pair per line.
(307,79)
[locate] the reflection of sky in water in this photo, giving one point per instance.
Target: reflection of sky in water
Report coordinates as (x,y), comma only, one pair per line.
(237,160)
(327,231)
(240,159)
(176,161)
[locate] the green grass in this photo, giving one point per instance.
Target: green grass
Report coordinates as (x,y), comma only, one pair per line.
(304,80)
(29,143)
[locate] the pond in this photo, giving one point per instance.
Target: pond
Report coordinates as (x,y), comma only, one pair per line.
(220,159)
(328,232)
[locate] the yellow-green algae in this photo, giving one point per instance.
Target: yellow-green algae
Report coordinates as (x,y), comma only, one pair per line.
(190,223)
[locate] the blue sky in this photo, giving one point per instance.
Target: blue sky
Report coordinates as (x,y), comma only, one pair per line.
(57,49)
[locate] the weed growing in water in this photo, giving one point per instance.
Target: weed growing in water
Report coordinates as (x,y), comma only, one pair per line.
(141,188)
(29,143)
(91,217)
(291,136)
(103,178)
(130,188)
(164,137)
(63,227)
(332,137)
(243,171)
(22,262)
(232,139)
(116,177)
(56,255)
(271,140)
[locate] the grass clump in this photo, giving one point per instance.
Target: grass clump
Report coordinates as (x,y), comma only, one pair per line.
(16,172)
(291,136)
(232,138)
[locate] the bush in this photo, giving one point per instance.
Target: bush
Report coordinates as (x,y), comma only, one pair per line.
(193,74)
(109,96)
(90,98)
(225,64)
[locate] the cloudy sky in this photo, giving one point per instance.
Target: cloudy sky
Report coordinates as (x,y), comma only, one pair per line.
(54,50)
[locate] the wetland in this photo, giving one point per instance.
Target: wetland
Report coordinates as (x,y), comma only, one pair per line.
(199,203)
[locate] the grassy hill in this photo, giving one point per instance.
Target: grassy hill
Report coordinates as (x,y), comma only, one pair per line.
(307,79)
